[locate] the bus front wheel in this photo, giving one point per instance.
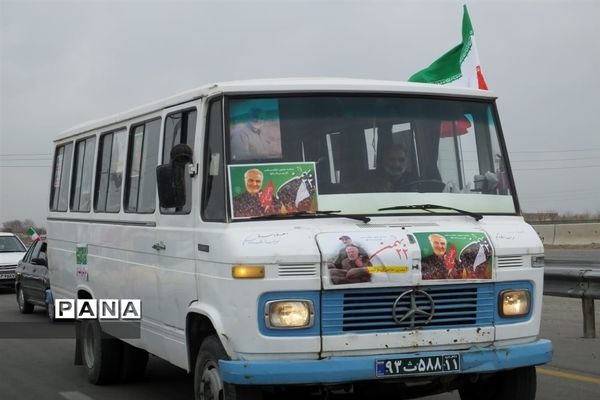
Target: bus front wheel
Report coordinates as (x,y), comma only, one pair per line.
(519,383)
(208,384)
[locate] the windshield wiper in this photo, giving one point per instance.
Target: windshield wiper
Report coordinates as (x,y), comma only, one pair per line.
(428,207)
(331,213)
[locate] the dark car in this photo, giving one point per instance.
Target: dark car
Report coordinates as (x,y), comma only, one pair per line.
(32,282)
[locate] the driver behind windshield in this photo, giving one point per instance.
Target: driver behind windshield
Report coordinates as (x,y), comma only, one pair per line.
(395,173)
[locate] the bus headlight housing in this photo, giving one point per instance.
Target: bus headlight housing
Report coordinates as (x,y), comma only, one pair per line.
(514,303)
(289,314)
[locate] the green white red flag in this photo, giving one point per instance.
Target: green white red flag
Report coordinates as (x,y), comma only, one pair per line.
(33,234)
(459,66)
(266,197)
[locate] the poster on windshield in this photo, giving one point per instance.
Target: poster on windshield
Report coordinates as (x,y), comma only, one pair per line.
(255,129)
(455,255)
(272,189)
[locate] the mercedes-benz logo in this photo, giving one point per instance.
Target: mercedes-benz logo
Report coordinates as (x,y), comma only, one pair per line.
(415,309)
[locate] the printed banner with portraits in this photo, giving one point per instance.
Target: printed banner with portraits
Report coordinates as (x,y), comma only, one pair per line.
(455,255)
(360,258)
(272,189)
(364,257)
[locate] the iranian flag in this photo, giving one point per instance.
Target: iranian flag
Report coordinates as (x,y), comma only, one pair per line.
(458,67)
(33,234)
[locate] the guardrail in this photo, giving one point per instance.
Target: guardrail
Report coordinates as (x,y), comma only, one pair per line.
(577,283)
(569,233)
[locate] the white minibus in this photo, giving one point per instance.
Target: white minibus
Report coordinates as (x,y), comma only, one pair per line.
(321,234)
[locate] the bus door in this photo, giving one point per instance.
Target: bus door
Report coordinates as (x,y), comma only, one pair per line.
(175,246)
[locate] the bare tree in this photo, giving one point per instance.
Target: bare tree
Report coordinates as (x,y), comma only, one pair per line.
(21,226)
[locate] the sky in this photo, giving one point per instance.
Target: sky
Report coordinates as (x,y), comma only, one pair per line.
(63,63)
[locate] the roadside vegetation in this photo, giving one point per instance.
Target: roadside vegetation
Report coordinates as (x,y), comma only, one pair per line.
(20,227)
(553,217)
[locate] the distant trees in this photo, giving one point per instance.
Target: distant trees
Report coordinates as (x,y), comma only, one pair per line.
(553,216)
(21,226)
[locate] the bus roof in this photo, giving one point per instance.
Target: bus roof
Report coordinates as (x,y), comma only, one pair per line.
(279,86)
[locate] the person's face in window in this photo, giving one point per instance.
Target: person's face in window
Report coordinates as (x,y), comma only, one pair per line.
(256,119)
(395,162)
(439,244)
(253,179)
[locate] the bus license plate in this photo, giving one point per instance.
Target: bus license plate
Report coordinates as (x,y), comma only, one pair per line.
(418,365)
(7,275)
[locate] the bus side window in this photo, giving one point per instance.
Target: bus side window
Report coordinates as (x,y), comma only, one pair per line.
(180,127)
(140,195)
(81,188)
(109,174)
(59,193)
(213,195)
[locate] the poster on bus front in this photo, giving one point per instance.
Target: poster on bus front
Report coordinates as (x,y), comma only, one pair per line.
(455,255)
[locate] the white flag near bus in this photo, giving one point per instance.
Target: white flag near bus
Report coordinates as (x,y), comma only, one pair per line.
(458,67)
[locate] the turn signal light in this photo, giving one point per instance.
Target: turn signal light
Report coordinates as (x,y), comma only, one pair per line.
(248,271)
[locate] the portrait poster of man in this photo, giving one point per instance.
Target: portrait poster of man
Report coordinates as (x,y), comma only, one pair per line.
(455,255)
(272,189)
(364,258)
(255,130)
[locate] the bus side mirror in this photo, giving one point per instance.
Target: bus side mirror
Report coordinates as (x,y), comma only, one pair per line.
(170,178)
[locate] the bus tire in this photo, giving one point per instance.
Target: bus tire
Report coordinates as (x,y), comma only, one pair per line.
(24,306)
(208,384)
(519,383)
(101,355)
(134,363)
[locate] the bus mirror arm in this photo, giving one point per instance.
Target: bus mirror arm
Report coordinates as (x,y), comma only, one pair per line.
(193,170)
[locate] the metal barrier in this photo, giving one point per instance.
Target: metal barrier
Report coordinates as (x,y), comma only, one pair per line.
(579,283)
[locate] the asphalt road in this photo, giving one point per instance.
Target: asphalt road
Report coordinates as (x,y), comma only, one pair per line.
(43,368)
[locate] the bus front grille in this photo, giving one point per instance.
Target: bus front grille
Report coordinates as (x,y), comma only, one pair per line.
(371,310)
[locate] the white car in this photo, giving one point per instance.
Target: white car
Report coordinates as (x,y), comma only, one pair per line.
(12,251)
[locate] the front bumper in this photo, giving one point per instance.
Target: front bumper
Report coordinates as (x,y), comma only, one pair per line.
(362,368)
(10,282)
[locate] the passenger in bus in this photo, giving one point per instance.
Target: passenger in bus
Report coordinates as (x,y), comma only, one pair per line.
(353,268)
(255,201)
(395,173)
(247,139)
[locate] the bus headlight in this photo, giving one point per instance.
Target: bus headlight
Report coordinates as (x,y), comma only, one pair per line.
(514,302)
(289,314)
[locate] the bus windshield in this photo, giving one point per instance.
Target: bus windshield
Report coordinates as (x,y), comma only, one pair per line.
(359,154)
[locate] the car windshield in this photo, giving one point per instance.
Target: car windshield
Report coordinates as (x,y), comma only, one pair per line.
(10,244)
(361,154)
